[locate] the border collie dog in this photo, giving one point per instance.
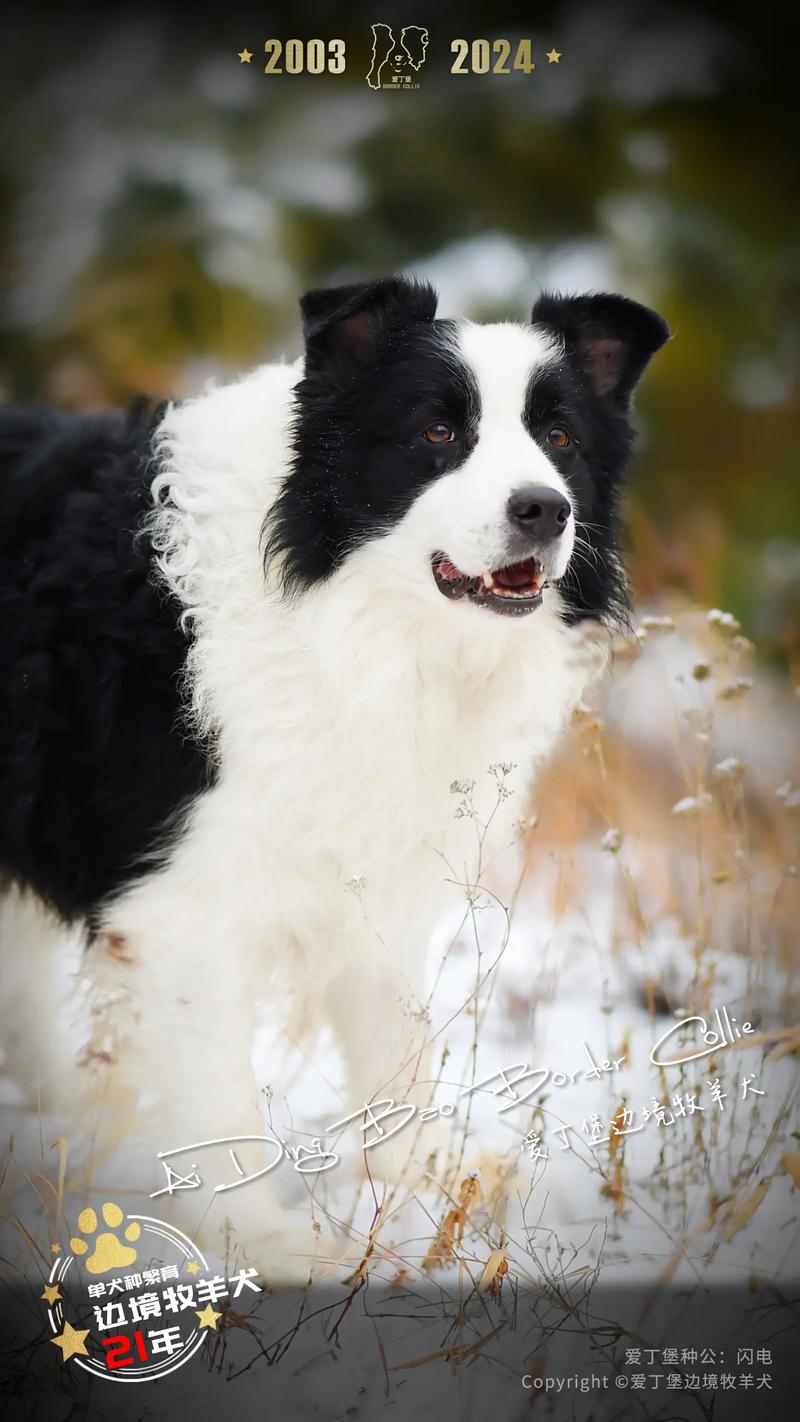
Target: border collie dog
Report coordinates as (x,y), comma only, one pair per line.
(256,647)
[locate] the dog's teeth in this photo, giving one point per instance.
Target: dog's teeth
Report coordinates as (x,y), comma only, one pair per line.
(488,580)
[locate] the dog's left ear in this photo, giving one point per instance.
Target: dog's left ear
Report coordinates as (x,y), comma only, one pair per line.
(610,338)
(342,324)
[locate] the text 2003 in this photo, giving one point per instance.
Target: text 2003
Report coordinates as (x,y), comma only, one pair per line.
(295,56)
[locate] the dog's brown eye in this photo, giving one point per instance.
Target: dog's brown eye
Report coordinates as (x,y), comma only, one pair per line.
(439,434)
(558,437)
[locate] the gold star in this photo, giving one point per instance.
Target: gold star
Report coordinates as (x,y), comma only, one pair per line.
(71,1341)
(553,56)
(245,56)
(55,1248)
(52,1293)
(208,1317)
(193,1268)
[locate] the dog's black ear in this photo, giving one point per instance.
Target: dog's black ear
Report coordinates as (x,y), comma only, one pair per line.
(343,323)
(610,337)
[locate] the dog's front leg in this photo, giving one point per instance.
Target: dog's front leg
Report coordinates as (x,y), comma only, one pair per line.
(173,1006)
(383,1027)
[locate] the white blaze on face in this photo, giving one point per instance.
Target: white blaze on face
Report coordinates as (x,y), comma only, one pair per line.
(464,513)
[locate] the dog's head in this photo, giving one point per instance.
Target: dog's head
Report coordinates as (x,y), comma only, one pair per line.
(482,463)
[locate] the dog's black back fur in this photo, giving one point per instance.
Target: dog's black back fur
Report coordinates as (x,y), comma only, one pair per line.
(94,759)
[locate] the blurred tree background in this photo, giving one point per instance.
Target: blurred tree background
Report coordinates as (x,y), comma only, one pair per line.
(165,204)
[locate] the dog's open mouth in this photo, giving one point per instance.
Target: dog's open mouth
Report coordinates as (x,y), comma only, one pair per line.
(512,591)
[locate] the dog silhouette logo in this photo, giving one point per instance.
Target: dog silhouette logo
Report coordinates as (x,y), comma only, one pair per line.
(396,61)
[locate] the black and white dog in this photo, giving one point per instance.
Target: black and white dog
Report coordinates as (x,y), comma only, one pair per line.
(252,641)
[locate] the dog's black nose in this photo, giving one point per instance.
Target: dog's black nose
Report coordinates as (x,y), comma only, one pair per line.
(539,510)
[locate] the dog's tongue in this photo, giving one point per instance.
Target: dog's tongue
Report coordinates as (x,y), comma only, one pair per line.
(518,575)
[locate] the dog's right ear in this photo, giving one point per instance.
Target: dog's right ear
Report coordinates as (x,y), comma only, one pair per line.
(342,324)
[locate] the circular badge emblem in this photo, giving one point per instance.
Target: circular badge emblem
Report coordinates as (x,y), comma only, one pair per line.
(132,1298)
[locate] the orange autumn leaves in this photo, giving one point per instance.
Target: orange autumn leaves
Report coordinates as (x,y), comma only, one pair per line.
(451,1230)
(451,1233)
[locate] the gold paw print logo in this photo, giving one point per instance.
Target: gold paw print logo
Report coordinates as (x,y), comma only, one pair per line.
(109,1251)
